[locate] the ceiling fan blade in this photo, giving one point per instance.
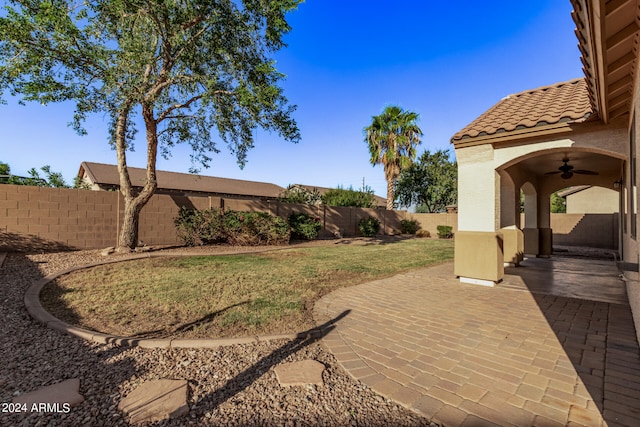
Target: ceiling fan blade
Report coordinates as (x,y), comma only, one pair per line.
(585,172)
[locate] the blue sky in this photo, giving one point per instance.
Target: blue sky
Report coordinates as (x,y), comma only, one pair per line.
(345,62)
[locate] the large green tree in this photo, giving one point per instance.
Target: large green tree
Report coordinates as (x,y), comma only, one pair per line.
(187,71)
(431,183)
(392,138)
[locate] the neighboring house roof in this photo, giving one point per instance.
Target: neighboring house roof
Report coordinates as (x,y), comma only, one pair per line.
(566,102)
(107,175)
(573,190)
(380,201)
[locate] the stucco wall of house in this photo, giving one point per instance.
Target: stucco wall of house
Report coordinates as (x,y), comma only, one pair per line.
(629,206)
(479,182)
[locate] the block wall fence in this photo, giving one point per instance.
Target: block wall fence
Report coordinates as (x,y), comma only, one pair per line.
(46,219)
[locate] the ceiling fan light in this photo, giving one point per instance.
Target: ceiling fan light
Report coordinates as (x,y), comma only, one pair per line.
(566,175)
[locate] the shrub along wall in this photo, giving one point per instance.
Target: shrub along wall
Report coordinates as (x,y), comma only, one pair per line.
(38,219)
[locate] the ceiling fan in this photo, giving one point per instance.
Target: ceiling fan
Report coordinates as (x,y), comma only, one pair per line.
(567,170)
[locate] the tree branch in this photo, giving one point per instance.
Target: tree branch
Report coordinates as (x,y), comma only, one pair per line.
(166,113)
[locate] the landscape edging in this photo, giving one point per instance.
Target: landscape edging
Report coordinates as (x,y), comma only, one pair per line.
(38,312)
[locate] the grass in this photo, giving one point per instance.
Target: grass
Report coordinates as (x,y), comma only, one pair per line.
(227,295)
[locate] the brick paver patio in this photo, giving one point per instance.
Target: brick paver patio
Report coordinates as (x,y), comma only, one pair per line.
(471,355)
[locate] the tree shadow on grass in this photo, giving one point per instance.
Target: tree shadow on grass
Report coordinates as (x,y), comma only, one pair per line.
(247,377)
(53,301)
(206,319)
(187,327)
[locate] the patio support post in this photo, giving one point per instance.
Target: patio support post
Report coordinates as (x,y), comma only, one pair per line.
(479,256)
(531,230)
(544,216)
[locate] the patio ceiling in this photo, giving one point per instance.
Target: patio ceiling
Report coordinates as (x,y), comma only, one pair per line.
(607,167)
(607,34)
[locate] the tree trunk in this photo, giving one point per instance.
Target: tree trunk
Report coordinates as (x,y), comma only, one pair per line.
(128,239)
(133,203)
(390,194)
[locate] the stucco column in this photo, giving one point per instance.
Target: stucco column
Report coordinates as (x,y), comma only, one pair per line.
(544,224)
(509,202)
(478,189)
(531,231)
(479,254)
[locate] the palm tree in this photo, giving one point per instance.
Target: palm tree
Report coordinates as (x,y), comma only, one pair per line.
(392,137)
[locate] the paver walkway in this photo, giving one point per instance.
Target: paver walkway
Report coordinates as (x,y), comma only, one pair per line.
(471,355)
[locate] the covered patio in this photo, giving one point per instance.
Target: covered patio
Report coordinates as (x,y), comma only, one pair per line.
(535,143)
(578,132)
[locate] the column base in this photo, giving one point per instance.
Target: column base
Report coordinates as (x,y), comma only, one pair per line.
(480,282)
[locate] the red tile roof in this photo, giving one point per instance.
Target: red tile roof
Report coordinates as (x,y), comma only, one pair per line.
(548,105)
(173,181)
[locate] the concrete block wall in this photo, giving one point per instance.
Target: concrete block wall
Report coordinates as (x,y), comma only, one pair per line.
(34,219)
(156,226)
(44,219)
(595,230)
(431,221)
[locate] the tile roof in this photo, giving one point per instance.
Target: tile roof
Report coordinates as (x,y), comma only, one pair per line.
(174,181)
(548,105)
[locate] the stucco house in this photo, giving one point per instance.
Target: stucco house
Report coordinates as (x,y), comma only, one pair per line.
(99,176)
(538,140)
(579,132)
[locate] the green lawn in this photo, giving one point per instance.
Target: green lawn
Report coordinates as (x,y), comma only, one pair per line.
(227,295)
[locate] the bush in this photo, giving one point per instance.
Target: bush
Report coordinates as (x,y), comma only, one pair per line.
(369,226)
(254,228)
(210,226)
(196,228)
(297,194)
(350,197)
(304,226)
(423,233)
(409,226)
(445,231)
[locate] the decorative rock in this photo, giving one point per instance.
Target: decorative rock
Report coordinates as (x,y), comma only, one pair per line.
(156,400)
(108,251)
(300,373)
(56,395)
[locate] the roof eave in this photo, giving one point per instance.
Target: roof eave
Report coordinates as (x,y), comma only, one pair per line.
(533,132)
(607,34)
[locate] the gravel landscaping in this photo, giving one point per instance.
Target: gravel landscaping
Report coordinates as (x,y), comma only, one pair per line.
(233,385)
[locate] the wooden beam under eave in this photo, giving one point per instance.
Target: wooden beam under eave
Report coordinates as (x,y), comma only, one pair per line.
(614,114)
(613,5)
(621,36)
(622,84)
(619,109)
(621,99)
(621,62)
